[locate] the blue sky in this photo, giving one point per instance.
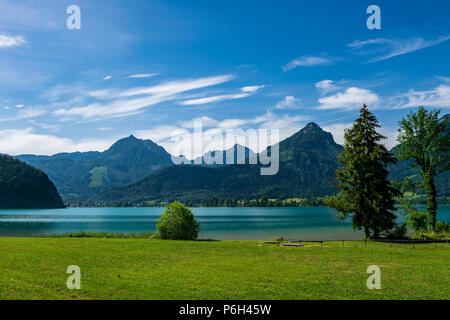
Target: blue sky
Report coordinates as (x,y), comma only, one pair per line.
(149,68)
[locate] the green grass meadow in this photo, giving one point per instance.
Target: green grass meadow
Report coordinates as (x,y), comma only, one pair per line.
(114,268)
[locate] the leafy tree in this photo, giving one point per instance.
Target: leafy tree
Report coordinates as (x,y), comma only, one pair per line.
(177,223)
(425,140)
(442,227)
(365,192)
(417,220)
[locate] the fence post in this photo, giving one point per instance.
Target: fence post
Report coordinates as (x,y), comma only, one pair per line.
(342,243)
(435,243)
(321,244)
(413,243)
(391,244)
(365,243)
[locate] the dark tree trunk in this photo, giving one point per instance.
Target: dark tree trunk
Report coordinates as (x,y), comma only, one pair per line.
(367,232)
(376,233)
(430,190)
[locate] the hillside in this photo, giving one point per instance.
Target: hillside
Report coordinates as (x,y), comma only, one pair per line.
(80,175)
(308,160)
(235,154)
(25,187)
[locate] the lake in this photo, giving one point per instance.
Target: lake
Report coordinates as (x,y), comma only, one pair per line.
(308,223)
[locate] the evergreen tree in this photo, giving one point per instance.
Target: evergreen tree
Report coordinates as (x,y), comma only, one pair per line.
(365,192)
(425,140)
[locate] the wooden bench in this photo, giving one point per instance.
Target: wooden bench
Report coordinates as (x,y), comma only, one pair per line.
(293,244)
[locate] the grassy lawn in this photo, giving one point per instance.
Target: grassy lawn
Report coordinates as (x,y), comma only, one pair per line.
(35,268)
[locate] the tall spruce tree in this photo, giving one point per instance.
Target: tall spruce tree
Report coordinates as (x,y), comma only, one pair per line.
(425,140)
(365,191)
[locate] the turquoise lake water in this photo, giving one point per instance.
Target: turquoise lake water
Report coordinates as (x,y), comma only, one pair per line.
(306,223)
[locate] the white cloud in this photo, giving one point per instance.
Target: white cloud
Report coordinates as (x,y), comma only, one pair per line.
(143,75)
(306,61)
(351,99)
(247,91)
(125,103)
(107,78)
(438,97)
(19,106)
(61,92)
(251,89)
(326,86)
(15,142)
(338,130)
(25,113)
(11,41)
(214,99)
(158,134)
(52,127)
(174,87)
(289,102)
(206,122)
(232,123)
(174,138)
(394,47)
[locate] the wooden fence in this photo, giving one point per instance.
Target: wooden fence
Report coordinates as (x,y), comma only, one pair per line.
(412,242)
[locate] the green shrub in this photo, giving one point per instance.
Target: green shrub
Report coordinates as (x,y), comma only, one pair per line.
(418,220)
(442,227)
(177,223)
(398,232)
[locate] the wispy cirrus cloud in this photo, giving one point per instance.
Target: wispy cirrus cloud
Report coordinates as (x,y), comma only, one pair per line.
(119,103)
(11,41)
(217,98)
(438,97)
(307,61)
(142,75)
(251,89)
(24,113)
(245,92)
(388,48)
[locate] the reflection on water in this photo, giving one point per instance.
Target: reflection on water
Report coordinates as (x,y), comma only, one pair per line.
(309,223)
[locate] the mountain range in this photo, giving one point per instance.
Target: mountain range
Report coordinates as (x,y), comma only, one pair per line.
(139,170)
(80,175)
(308,160)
